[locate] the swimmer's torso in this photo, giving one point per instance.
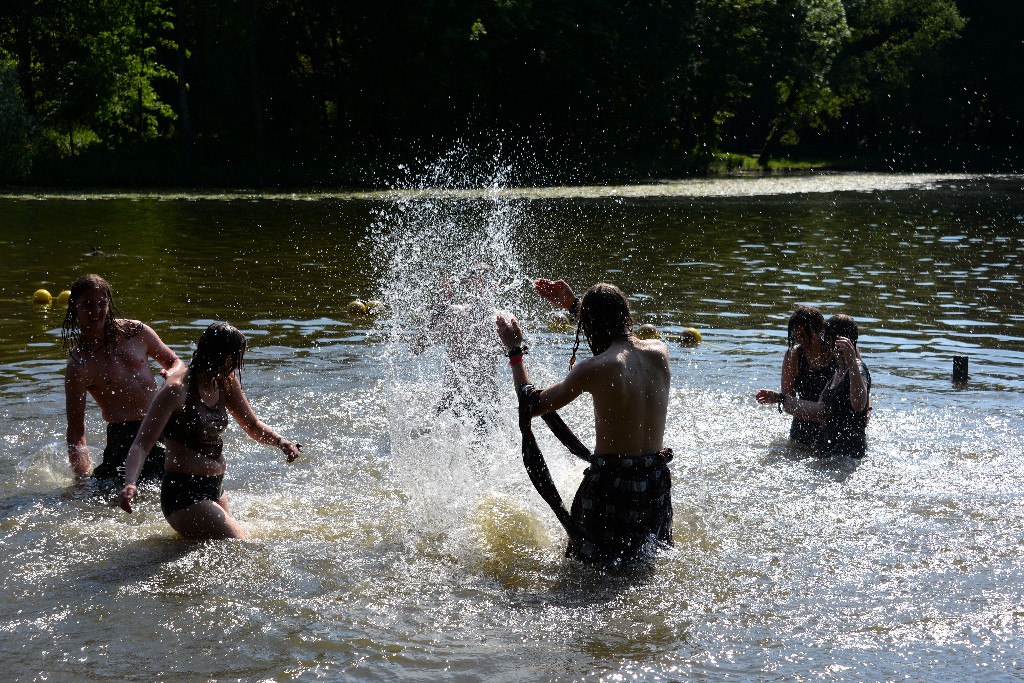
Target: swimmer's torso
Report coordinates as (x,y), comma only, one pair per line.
(119,379)
(631,406)
(472,348)
(193,433)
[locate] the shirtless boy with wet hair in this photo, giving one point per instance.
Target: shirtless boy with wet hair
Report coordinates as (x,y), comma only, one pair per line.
(108,359)
(625,496)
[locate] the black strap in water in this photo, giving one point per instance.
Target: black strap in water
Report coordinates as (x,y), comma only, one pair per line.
(565,435)
(533,459)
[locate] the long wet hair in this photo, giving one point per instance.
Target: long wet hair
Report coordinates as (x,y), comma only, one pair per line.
(604,317)
(841,326)
(804,316)
(114,328)
(218,342)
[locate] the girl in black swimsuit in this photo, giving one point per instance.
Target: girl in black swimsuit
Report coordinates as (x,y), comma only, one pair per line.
(806,370)
(191,411)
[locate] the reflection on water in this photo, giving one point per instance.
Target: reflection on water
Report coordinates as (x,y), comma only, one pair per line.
(409,543)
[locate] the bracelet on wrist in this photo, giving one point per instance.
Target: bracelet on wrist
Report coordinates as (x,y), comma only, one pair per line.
(520,350)
(515,360)
(781,402)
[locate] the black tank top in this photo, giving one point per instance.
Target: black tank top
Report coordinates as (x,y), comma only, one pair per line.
(197,425)
(809,384)
(844,431)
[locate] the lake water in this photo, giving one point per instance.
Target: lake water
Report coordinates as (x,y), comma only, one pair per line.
(407,545)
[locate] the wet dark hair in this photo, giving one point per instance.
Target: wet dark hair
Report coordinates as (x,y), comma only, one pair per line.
(604,317)
(218,342)
(115,327)
(841,326)
(804,316)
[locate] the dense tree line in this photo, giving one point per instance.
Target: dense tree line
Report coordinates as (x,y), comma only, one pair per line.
(318,91)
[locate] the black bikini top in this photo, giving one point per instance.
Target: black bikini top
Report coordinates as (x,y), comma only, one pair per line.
(197,425)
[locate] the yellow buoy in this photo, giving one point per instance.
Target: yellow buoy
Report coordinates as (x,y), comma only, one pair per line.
(42,297)
(690,337)
(357,307)
(63,297)
(648,331)
(373,306)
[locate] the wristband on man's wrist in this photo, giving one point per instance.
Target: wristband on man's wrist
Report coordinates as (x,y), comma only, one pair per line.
(520,350)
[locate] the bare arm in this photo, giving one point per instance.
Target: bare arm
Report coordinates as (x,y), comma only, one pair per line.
(815,411)
(790,370)
(170,398)
(858,383)
(74,403)
(160,352)
(240,408)
(563,393)
(554,396)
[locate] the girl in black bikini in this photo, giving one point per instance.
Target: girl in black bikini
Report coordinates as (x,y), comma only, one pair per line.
(191,411)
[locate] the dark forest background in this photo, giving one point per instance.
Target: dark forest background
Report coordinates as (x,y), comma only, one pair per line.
(330,93)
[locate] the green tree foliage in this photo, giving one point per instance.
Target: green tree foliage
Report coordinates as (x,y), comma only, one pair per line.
(806,38)
(893,58)
(15,150)
(278,86)
(92,66)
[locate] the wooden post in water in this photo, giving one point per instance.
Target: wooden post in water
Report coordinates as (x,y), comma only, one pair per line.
(960,373)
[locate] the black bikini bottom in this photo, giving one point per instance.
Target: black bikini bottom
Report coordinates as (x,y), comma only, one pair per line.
(179,491)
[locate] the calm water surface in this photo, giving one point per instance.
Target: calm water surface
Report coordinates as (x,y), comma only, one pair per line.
(409,546)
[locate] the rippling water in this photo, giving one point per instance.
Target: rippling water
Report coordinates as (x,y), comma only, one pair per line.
(408,545)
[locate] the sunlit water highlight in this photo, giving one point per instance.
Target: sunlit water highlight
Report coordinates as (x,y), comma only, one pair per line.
(408,544)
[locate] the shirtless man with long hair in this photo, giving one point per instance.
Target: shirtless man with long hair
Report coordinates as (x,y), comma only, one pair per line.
(625,497)
(109,359)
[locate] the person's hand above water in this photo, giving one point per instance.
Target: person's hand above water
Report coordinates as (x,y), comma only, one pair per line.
(509,332)
(125,498)
(766,396)
(846,349)
(291,450)
(558,292)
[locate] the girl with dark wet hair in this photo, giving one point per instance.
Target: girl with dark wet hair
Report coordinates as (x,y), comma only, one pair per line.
(806,369)
(191,411)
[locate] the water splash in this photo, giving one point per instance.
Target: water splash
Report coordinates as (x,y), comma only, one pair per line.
(448,264)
